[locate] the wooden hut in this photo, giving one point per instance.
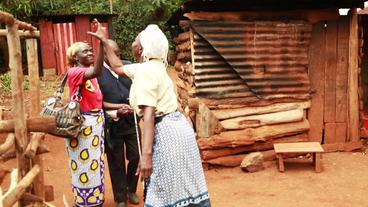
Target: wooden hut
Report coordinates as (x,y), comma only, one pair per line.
(252,73)
(58,32)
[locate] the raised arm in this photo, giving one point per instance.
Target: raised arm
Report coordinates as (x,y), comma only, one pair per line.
(115,62)
(97,69)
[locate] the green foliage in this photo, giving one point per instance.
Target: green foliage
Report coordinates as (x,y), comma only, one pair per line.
(5,82)
(133,15)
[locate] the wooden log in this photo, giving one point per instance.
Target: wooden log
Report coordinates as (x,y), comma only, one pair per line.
(222,114)
(8,144)
(36,124)
(353,99)
(183,37)
(9,20)
(250,136)
(184,24)
(206,123)
(7,156)
(263,119)
(3,172)
(23,34)
(33,145)
(18,191)
(184,56)
(185,46)
(258,146)
(20,127)
(42,149)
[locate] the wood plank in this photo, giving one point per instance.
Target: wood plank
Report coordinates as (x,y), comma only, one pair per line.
(330,73)
(263,119)
(317,76)
(343,147)
(342,70)
(258,146)
(330,133)
(340,132)
(298,147)
(353,76)
(251,135)
(222,114)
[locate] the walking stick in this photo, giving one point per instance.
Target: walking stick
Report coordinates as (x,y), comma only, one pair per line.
(139,150)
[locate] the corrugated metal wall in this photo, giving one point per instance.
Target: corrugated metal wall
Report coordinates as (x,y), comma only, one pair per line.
(64,36)
(266,59)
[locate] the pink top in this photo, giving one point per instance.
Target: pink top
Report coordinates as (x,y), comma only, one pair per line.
(91,93)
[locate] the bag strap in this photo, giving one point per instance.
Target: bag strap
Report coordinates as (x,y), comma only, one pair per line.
(59,92)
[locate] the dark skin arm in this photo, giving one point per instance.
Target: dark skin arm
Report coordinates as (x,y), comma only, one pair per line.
(97,70)
(113,106)
(122,109)
(145,163)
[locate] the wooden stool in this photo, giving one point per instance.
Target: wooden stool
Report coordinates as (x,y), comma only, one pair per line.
(308,147)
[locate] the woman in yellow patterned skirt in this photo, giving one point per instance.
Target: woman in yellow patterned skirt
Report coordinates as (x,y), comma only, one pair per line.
(85,152)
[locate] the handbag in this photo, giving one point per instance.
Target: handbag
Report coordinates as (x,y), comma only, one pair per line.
(68,117)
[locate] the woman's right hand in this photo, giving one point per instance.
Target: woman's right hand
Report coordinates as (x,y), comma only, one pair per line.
(145,166)
(100,32)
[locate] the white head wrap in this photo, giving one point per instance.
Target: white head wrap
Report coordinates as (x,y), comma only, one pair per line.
(154,42)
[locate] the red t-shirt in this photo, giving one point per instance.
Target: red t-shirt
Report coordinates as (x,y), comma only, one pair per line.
(91,93)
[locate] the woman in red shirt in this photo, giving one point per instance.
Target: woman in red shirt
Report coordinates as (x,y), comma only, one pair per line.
(85,152)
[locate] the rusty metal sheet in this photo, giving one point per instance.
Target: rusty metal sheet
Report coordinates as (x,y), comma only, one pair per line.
(268,58)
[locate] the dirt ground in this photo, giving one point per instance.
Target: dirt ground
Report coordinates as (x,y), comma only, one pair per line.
(343,182)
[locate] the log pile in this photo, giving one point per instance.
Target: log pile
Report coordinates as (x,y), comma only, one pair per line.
(228,129)
(184,68)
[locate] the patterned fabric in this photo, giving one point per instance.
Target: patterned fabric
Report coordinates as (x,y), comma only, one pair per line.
(86,161)
(177,178)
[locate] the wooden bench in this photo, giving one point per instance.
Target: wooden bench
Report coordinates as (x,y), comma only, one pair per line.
(314,148)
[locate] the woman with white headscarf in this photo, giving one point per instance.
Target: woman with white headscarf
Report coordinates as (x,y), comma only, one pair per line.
(170,162)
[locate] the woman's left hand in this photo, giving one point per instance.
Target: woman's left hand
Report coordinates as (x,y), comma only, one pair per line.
(145,167)
(100,32)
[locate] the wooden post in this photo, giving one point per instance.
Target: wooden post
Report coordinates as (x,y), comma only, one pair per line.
(353,99)
(35,108)
(20,127)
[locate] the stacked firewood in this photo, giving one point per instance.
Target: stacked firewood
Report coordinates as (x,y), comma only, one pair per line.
(184,69)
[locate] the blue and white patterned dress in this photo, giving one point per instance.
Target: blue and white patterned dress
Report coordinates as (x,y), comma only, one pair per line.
(177,179)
